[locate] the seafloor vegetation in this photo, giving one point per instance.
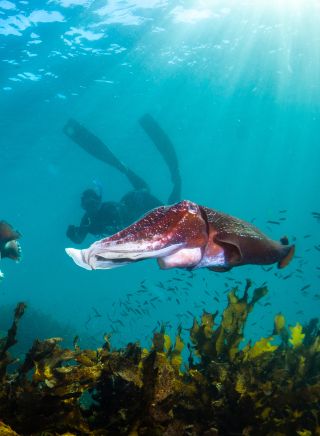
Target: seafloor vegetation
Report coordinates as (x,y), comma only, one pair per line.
(271,387)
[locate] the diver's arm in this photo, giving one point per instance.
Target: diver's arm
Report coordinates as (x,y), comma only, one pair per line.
(76,234)
(166,148)
(94,146)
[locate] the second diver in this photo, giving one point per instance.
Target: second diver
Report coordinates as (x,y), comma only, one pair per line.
(102,218)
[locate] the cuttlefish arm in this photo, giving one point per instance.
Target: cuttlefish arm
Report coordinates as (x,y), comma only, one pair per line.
(9,246)
(185,235)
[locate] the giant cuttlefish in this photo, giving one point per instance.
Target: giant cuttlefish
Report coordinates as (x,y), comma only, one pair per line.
(9,246)
(186,235)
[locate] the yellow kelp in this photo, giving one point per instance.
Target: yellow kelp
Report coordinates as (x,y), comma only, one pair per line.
(269,388)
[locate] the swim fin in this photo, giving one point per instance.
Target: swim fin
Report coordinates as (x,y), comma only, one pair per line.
(166,149)
(94,146)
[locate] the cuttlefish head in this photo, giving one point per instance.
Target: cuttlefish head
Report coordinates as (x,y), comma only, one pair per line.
(175,235)
(9,246)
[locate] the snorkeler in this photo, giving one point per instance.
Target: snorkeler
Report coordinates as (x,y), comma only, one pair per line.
(9,246)
(104,218)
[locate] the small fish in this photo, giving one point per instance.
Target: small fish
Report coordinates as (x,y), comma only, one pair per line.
(287,276)
(97,314)
(273,222)
(305,287)
(118,321)
(87,322)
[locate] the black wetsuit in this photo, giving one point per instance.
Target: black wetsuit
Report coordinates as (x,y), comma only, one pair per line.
(113,216)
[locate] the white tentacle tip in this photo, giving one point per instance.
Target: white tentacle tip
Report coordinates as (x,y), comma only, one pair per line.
(77,257)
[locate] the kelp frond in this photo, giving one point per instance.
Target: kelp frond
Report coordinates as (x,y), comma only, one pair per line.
(271,387)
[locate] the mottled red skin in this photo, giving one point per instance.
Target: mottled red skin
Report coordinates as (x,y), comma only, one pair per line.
(167,224)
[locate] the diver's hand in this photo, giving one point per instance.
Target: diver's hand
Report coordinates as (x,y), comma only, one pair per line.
(71,232)
(76,234)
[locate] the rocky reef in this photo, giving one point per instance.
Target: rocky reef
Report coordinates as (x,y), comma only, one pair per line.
(270,387)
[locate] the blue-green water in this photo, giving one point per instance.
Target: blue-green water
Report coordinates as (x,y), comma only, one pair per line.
(236,87)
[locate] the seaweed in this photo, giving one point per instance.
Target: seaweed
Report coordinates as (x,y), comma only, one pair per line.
(271,386)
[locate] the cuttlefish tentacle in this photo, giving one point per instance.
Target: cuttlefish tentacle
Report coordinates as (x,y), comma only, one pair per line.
(185,235)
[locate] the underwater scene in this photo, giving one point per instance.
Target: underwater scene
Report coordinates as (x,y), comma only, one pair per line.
(160,217)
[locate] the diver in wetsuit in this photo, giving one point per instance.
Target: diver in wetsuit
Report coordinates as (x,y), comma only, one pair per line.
(104,218)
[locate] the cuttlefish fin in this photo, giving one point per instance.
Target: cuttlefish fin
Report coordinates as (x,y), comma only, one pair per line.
(289,251)
(231,250)
(288,257)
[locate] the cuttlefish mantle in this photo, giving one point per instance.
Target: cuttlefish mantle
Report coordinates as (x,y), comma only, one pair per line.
(186,235)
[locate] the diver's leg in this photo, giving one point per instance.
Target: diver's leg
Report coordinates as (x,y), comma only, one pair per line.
(94,146)
(166,148)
